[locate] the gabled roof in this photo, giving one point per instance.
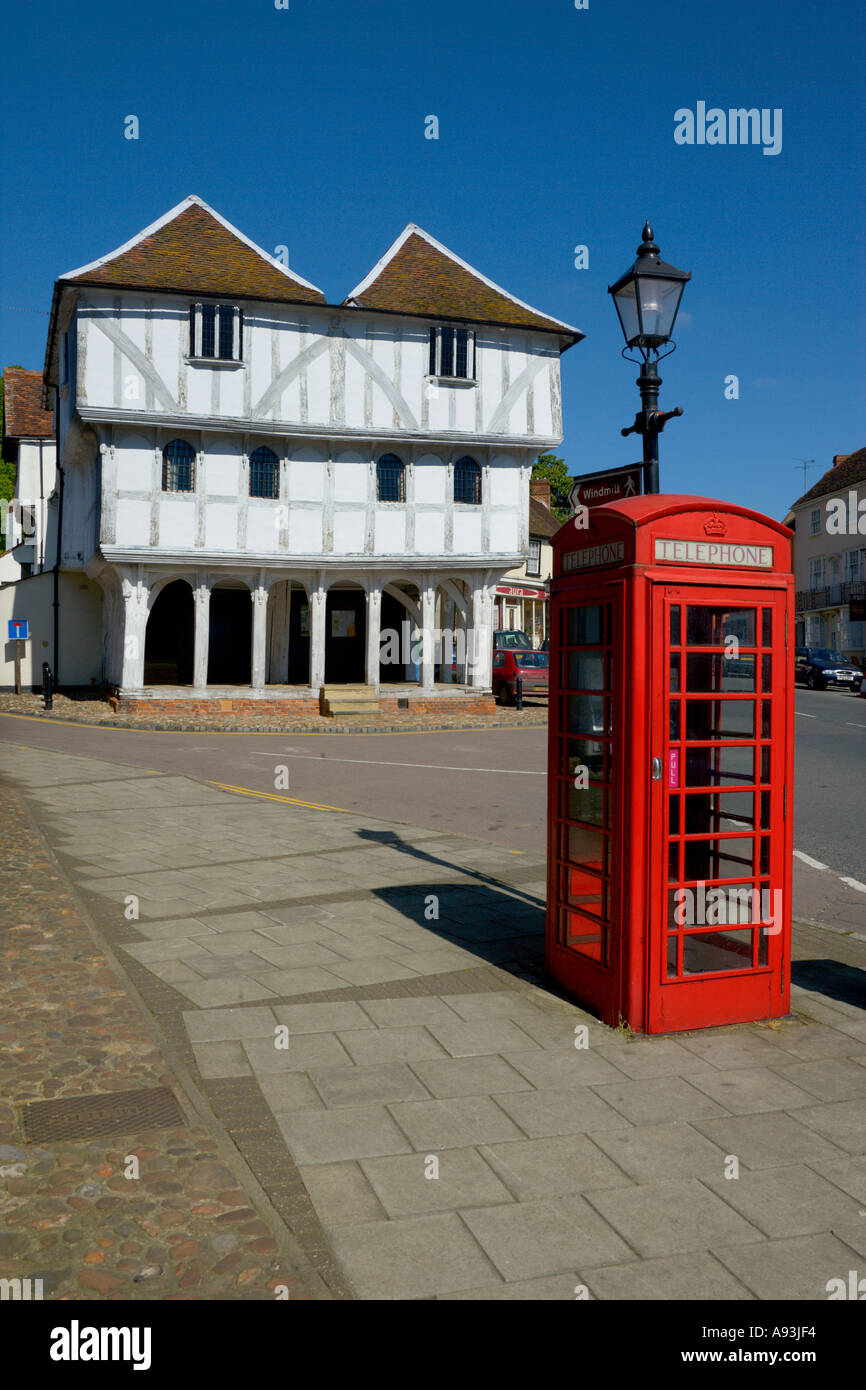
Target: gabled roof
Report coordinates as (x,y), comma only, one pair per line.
(418,275)
(191,249)
(23,416)
(848,470)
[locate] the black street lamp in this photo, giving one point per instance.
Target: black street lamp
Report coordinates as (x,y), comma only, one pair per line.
(647,298)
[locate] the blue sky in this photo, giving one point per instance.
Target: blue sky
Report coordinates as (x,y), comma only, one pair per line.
(305,127)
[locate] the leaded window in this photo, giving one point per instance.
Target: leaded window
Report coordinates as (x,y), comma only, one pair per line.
(264,473)
(178,467)
(467,481)
(390,479)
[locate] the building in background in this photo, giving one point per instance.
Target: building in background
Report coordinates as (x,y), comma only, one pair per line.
(258,484)
(522,596)
(829,524)
(28,443)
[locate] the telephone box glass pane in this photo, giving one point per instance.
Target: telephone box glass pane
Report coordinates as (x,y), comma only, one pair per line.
(766,627)
(583,846)
(719,812)
(706,674)
(585,752)
(721,766)
(766,674)
(675,671)
(586,891)
(675,625)
(584,670)
(717,950)
(674,816)
(711,627)
(585,626)
(586,714)
(585,803)
(766,721)
(765,810)
(765,765)
(717,719)
(672,955)
(675,720)
(708,859)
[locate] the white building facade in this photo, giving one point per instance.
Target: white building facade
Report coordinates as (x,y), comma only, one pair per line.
(261,483)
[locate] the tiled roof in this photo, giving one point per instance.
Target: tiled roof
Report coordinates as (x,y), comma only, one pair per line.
(419,275)
(23,416)
(848,471)
(542,522)
(195,251)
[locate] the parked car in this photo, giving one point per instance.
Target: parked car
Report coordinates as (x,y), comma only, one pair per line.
(516,640)
(511,663)
(819,667)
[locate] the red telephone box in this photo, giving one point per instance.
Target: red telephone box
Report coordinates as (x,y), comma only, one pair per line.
(671,763)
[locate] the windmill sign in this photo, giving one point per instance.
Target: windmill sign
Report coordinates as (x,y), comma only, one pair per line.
(593,489)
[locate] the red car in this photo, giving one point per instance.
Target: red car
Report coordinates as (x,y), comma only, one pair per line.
(513,663)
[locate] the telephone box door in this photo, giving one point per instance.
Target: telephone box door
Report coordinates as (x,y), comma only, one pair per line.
(719,915)
(586,751)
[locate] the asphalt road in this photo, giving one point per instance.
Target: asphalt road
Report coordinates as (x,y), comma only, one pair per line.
(489,784)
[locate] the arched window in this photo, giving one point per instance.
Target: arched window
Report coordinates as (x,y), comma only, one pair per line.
(467,481)
(390,479)
(178,467)
(264,473)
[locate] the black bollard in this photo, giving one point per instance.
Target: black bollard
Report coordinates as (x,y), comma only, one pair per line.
(47,686)
(519,692)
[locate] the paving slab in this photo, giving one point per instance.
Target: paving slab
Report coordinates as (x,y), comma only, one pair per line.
(365,1085)
(553,1167)
(656,1153)
(669,1218)
(411,1185)
(357,1131)
(654,1099)
(372,1045)
(792,1201)
(790,1270)
(470,1076)
(456,1123)
(413,1257)
(770,1140)
(694,1275)
(530,1239)
(568,1111)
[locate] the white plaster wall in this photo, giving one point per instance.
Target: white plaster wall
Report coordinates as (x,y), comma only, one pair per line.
(430,533)
(222,468)
(177,522)
(263,526)
(390,535)
(431,477)
(305,531)
(133,521)
(467,530)
(349,533)
(221,529)
(504,528)
(350,477)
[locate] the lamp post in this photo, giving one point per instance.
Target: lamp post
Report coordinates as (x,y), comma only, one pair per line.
(647,298)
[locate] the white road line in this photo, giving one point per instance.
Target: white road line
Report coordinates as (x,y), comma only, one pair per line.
(385,762)
(807,859)
(854,883)
(800,715)
(854,726)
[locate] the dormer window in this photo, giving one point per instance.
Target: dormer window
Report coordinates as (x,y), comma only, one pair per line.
(216,332)
(452,354)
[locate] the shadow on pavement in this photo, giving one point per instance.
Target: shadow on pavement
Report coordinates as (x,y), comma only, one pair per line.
(833,978)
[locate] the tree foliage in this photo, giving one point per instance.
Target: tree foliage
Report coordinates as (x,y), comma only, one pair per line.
(550,469)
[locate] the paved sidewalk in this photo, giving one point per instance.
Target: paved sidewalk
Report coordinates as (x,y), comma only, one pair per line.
(431,1129)
(73,1210)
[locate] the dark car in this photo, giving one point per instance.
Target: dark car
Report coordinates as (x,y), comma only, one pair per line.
(511,663)
(819,667)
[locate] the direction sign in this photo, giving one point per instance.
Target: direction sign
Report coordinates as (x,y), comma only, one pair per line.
(593,489)
(19,629)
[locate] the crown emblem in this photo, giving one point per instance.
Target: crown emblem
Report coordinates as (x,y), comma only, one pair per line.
(715,526)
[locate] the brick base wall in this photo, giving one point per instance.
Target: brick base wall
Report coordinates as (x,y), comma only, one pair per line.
(447,704)
(155,708)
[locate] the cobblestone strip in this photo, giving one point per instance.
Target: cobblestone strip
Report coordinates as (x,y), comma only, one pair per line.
(72,1213)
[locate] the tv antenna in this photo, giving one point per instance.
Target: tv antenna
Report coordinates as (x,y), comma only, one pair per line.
(805,464)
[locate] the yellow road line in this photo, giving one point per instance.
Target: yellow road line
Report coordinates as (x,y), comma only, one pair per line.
(272,796)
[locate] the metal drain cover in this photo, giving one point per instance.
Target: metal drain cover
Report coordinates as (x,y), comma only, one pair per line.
(109,1112)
